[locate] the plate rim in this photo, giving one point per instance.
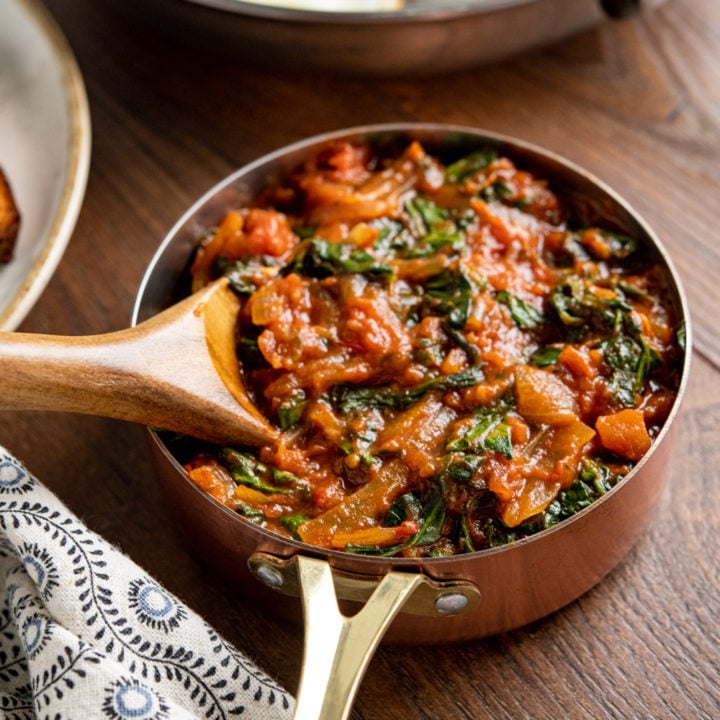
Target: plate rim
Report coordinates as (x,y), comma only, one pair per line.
(77,169)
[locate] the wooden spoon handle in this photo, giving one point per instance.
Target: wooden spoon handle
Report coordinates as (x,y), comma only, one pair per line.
(47,372)
(110,375)
(164,372)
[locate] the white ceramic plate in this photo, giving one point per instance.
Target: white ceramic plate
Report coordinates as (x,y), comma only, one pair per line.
(44,148)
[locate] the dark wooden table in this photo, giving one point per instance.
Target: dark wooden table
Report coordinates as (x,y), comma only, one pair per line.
(637,102)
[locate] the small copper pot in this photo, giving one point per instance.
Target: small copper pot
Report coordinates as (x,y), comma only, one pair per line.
(415,600)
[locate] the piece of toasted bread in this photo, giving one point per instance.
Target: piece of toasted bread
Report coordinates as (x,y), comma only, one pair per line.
(9,220)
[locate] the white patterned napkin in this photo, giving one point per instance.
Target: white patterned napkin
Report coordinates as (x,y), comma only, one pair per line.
(85,633)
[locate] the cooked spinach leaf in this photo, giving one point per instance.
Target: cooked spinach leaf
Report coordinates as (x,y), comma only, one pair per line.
(433,228)
(579,308)
(614,245)
(460,467)
(465,167)
(251,513)
(465,538)
(435,240)
(592,482)
(348,397)
(524,315)
(497,533)
(374,550)
(240,273)
(431,522)
(599,476)
(490,431)
(393,236)
(292,522)
(630,359)
(626,350)
(619,246)
(246,470)
(424,214)
(450,294)
(407,507)
(545,356)
(496,191)
(321,258)
(291,409)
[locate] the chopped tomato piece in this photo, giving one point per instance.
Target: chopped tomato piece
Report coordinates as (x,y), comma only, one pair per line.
(624,433)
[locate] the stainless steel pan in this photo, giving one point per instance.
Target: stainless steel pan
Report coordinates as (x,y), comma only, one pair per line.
(422,37)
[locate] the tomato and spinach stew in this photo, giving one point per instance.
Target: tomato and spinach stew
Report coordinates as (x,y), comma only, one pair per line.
(453,362)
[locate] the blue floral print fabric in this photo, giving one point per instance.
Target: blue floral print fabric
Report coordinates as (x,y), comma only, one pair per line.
(85,633)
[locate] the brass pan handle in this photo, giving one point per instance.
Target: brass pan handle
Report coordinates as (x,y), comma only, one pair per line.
(339,648)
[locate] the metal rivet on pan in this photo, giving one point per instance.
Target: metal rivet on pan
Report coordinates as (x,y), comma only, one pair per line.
(270,576)
(451,603)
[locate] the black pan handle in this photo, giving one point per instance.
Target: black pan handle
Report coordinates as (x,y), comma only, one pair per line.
(620,8)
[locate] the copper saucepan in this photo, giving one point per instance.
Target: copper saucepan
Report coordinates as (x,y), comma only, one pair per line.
(413,600)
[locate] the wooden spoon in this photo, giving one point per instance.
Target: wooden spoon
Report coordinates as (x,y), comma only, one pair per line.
(176,371)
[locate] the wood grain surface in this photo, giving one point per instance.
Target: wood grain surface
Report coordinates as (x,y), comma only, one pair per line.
(636,102)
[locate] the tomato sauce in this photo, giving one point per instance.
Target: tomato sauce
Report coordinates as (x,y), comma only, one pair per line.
(452,364)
